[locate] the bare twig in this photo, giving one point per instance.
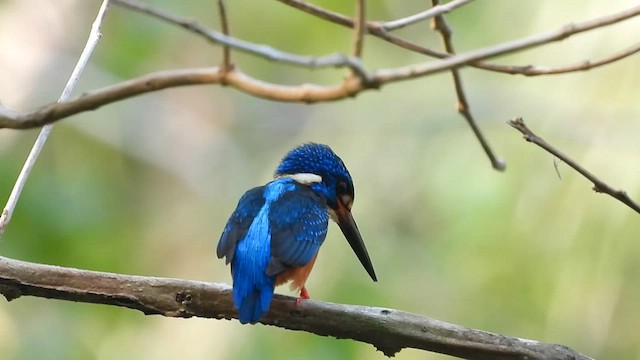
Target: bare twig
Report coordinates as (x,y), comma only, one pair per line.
(393,74)
(303,93)
(359,27)
(598,185)
(375,29)
(359,32)
(264,51)
(555,166)
(437,10)
(414,71)
(388,75)
(388,330)
(224,24)
(581,66)
(92,41)
(440,24)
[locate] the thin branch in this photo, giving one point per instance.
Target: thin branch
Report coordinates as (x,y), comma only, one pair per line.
(261,50)
(581,66)
(359,27)
(107,95)
(174,78)
(414,71)
(388,75)
(440,24)
(375,29)
(303,93)
(92,41)
(388,330)
(437,10)
(598,185)
(224,24)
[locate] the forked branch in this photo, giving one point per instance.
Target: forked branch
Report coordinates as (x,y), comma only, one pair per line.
(379,29)
(302,93)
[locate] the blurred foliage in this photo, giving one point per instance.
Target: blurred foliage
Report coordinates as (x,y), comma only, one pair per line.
(145,186)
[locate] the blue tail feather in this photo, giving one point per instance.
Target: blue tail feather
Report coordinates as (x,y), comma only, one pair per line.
(252,298)
(252,287)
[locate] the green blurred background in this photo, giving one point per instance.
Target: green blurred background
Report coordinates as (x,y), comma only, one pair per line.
(145,186)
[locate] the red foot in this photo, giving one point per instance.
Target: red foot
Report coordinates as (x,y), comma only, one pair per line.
(304,295)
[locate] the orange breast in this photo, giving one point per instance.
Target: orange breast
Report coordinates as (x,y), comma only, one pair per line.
(297,275)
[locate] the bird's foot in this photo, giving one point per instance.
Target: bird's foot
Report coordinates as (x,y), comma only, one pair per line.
(304,295)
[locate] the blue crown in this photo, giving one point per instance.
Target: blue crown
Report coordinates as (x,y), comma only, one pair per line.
(313,158)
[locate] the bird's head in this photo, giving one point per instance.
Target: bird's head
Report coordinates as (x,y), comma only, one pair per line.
(318,167)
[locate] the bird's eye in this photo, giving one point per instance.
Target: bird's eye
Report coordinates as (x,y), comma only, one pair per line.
(342,188)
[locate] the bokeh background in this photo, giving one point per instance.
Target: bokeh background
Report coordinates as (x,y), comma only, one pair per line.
(145,186)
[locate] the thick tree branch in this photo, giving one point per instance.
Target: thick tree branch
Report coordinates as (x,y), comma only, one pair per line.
(388,330)
(598,185)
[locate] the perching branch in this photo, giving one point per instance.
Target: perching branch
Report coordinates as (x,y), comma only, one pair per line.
(598,185)
(388,330)
(440,24)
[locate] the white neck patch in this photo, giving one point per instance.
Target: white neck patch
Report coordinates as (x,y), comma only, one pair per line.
(304,178)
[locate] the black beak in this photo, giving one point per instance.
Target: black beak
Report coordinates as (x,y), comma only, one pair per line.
(351,232)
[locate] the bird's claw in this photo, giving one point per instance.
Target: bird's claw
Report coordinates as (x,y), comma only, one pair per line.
(304,295)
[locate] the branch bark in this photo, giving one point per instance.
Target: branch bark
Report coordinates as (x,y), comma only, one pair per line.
(388,330)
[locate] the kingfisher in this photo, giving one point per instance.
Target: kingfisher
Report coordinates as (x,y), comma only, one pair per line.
(274,234)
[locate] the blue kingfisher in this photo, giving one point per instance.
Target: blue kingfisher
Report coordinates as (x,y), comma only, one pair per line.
(274,235)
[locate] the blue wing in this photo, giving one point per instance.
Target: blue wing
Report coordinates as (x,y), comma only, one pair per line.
(298,224)
(238,225)
(273,227)
(252,287)
(245,244)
